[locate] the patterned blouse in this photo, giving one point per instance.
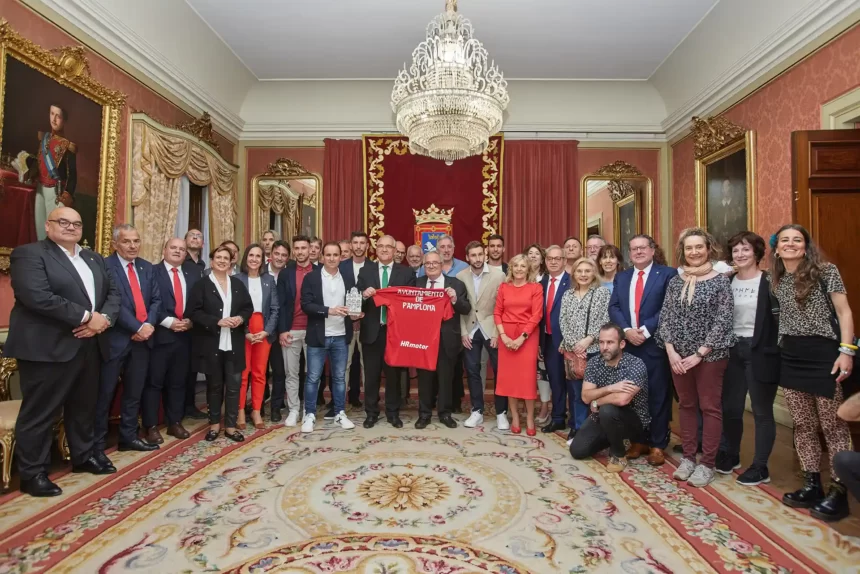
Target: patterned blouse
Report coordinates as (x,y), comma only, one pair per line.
(707,321)
(813,318)
(574,312)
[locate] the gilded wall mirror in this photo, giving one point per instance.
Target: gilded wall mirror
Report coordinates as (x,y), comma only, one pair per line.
(59,142)
(287,198)
(616,203)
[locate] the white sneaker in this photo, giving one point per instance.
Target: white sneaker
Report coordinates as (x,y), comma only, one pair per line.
(685,469)
(341,420)
(308,423)
(475,419)
(701,477)
(502,422)
(292,419)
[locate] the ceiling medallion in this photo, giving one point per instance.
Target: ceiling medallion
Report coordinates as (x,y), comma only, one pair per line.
(451,99)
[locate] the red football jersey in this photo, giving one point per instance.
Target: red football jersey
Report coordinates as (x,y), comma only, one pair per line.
(415,318)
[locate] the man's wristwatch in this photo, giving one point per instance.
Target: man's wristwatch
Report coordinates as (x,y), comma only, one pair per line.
(525,335)
(594,405)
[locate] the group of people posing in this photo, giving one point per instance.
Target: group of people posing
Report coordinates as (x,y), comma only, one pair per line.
(600,348)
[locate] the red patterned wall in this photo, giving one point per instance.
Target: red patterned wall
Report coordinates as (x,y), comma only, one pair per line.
(647,160)
(140,98)
(791,102)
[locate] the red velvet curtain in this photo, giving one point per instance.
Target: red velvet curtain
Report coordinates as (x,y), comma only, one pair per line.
(343,189)
(541,193)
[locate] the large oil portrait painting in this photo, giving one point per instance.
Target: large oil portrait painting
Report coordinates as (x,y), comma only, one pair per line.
(725,179)
(58,142)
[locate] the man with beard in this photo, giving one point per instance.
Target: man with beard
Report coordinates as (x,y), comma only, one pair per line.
(616,387)
(496,252)
(194,248)
(399,252)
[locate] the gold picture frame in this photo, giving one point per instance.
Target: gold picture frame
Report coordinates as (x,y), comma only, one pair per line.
(624,180)
(69,67)
(721,150)
(621,208)
(285,169)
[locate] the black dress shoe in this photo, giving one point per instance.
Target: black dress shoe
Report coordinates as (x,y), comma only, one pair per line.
(276,415)
(448,422)
(395,422)
(196,414)
(102,459)
(236,436)
(422,422)
(138,445)
(370,421)
(211,435)
(93,466)
(41,486)
(553,427)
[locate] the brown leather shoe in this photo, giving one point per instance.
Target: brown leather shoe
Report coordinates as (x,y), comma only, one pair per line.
(153,436)
(636,450)
(178,431)
(656,457)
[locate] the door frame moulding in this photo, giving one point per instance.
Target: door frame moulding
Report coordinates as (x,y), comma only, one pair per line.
(841,113)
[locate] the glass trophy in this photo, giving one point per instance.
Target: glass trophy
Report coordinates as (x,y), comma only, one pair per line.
(353,301)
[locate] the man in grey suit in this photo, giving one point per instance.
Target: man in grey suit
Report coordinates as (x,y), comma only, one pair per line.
(64,299)
(478,331)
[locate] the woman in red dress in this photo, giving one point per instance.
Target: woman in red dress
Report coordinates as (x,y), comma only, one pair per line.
(519,306)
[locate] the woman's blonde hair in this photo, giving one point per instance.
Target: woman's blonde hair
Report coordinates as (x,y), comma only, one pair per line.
(595,280)
(710,243)
(520,258)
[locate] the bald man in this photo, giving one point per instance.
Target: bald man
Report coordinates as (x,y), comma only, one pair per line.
(64,300)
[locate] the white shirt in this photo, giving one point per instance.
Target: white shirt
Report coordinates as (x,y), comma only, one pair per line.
(272,272)
(86,275)
(745,292)
(632,296)
(168,321)
(225,342)
(476,282)
(356,267)
(438,283)
(255,288)
(334,295)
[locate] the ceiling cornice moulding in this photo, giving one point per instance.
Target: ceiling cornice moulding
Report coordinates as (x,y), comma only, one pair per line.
(799,31)
(111,32)
(582,132)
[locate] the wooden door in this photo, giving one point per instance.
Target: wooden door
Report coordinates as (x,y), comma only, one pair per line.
(826,181)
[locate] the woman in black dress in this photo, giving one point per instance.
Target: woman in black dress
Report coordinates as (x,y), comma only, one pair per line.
(816,330)
(220,307)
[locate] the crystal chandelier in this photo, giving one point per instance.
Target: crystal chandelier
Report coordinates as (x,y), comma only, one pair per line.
(450,100)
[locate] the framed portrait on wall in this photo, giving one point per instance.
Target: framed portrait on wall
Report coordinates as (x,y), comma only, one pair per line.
(59,132)
(627,217)
(725,181)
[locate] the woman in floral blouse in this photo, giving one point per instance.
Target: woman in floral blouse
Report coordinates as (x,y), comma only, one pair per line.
(696,330)
(584,310)
(817,347)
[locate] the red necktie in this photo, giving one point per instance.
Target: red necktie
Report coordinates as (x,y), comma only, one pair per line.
(637,295)
(550,297)
(139,305)
(177,294)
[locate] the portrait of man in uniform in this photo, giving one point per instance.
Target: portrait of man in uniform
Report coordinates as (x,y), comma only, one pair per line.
(54,169)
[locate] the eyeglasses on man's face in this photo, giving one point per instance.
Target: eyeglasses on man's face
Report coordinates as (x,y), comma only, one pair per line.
(384,246)
(556,259)
(195,235)
(65,223)
(432,263)
(640,248)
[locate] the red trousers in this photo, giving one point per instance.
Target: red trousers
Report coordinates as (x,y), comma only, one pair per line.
(256,363)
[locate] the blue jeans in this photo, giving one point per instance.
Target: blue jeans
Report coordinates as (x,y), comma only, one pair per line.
(472,360)
(578,410)
(335,350)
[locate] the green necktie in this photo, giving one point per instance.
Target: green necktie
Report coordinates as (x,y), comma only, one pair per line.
(384,285)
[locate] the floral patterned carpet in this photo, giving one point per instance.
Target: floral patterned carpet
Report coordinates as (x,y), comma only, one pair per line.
(402,501)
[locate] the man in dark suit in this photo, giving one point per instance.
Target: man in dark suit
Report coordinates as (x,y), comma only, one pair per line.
(64,299)
(637,299)
(130,340)
(374,332)
(441,380)
(170,362)
(350,268)
(555,283)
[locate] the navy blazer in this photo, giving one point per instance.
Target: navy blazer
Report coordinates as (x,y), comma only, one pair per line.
(287,293)
(270,302)
(127,324)
(555,313)
(315,308)
(652,301)
(192,273)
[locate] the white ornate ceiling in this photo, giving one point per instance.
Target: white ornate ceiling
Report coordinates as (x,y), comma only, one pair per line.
(536,39)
